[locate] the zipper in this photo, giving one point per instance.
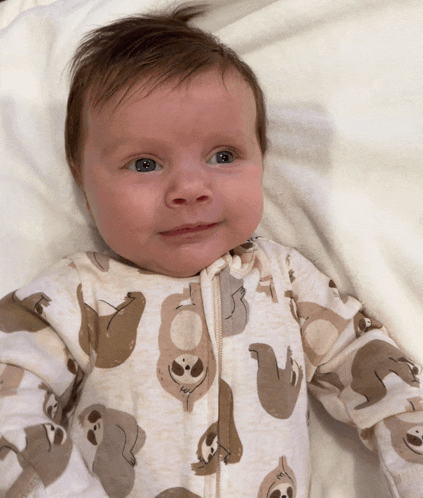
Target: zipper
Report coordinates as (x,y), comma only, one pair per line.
(219,344)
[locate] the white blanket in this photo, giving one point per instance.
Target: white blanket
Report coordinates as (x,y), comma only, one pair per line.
(343,177)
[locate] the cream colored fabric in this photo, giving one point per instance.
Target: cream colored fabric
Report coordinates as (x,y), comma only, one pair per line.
(142,384)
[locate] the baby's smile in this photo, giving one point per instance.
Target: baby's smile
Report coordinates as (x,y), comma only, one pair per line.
(192,228)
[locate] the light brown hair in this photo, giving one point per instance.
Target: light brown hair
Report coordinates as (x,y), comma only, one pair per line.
(156,48)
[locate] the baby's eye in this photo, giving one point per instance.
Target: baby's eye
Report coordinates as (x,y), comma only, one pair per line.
(222,157)
(144,165)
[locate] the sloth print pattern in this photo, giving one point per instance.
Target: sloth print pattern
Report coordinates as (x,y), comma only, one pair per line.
(23,315)
(277,388)
(221,440)
(279,483)
(406,432)
(186,366)
(117,438)
(112,337)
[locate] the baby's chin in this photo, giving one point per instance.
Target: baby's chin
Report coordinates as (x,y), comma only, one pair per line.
(181,259)
(176,271)
(174,268)
(179,274)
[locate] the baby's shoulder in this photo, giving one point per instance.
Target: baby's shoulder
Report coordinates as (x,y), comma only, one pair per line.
(80,268)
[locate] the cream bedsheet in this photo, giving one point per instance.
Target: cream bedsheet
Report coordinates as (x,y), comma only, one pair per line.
(343,178)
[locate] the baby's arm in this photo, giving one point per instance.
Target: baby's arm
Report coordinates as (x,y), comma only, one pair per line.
(40,384)
(357,371)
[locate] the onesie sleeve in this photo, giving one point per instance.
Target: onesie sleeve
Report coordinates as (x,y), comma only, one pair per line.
(360,375)
(42,371)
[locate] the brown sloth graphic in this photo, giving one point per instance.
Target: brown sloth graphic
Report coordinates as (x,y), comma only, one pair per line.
(186,366)
(99,260)
(221,439)
(277,388)
(279,483)
(23,315)
(371,364)
(177,493)
(112,337)
(407,435)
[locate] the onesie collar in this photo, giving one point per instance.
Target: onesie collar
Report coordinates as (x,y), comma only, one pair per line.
(239,260)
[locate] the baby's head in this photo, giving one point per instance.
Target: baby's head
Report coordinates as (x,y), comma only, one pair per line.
(165,134)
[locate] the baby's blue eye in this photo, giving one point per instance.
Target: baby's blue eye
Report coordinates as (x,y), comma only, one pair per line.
(144,165)
(222,157)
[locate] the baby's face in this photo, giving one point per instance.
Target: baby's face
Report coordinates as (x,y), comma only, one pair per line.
(173,179)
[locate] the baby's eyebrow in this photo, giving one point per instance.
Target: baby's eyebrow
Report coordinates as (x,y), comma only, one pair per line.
(113,147)
(124,144)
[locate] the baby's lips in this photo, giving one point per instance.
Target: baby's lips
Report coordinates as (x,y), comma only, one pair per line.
(192,227)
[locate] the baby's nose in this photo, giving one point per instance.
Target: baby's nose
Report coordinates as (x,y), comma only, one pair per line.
(187,200)
(190,186)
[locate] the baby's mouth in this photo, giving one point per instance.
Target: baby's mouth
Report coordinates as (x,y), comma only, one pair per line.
(187,229)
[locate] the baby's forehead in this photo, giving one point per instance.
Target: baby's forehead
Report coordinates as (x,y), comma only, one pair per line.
(201,113)
(142,86)
(208,109)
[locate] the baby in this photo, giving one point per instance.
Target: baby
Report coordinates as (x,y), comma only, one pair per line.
(178,365)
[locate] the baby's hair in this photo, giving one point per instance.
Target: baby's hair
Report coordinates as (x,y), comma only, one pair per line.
(154,48)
